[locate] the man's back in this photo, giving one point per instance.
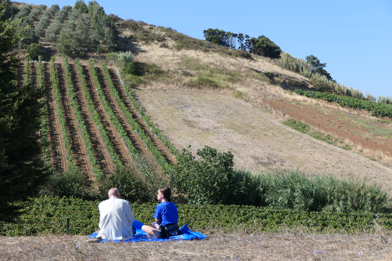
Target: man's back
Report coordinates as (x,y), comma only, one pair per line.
(115,219)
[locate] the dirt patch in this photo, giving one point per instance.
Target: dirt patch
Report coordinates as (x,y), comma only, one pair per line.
(285,246)
(336,124)
(256,137)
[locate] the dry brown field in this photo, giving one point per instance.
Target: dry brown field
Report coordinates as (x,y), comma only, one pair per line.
(284,246)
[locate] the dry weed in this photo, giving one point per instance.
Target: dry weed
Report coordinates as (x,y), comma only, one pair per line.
(285,246)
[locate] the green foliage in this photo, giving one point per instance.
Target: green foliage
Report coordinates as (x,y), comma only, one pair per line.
(137,182)
(205,81)
(71,183)
(33,51)
(208,180)
(294,190)
(47,215)
(96,117)
(44,124)
(104,27)
(147,120)
(60,113)
(317,67)
(24,11)
(377,109)
(80,5)
(22,169)
(265,47)
(297,125)
(216,36)
(73,39)
(44,22)
(8,10)
(132,69)
(115,121)
(82,125)
(132,122)
(51,34)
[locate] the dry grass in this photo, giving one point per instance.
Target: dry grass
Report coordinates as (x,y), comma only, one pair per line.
(285,246)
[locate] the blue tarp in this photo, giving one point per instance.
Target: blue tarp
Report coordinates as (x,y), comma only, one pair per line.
(140,235)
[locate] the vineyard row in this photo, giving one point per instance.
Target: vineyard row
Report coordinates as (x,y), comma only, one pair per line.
(98,126)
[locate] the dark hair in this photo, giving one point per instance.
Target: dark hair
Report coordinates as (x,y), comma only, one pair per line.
(166,193)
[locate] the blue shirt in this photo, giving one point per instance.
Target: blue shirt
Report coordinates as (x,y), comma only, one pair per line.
(167,213)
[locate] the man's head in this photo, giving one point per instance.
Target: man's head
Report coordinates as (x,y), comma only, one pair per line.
(114,192)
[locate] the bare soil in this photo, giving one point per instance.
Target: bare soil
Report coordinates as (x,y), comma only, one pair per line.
(127,102)
(331,123)
(118,144)
(253,133)
(100,152)
(286,246)
(57,147)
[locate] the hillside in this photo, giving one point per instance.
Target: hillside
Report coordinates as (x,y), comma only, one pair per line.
(197,94)
(245,115)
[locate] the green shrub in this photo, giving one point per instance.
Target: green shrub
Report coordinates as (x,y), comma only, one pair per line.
(132,69)
(137,182)
(208,180)
(297,125)
(33,51)
(71,183)
(204,80)
(48,215)
(376,108)
(294,190)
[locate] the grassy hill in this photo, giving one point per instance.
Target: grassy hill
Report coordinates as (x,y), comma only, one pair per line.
(197,93)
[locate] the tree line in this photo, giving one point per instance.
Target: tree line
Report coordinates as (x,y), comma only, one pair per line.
(261,45)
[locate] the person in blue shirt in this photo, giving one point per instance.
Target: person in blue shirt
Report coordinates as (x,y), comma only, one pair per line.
(166,216)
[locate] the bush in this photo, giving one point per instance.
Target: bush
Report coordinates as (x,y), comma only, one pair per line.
(137,182)
(209,180)
(204,80)
(46,215)
(294,190)
(297,125)
(33,51)
(68,184)
(132,69)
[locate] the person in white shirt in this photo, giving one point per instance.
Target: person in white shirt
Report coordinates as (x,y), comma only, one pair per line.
(115,218)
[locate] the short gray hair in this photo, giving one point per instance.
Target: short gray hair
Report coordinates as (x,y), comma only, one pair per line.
(113,191)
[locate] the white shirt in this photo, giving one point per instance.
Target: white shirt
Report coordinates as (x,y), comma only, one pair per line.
(115,219)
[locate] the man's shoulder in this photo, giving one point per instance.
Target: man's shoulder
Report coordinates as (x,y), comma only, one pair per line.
(114,200)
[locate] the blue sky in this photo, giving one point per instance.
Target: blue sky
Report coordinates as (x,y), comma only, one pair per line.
(354,38)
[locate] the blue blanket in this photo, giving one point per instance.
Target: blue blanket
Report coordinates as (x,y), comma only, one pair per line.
(140,235)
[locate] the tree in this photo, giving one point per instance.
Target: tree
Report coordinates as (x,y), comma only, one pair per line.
(265,47)
(9,10)
(33,51)
(80,5)
(241,39)
(22,169)
(216,36)
(317,66)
